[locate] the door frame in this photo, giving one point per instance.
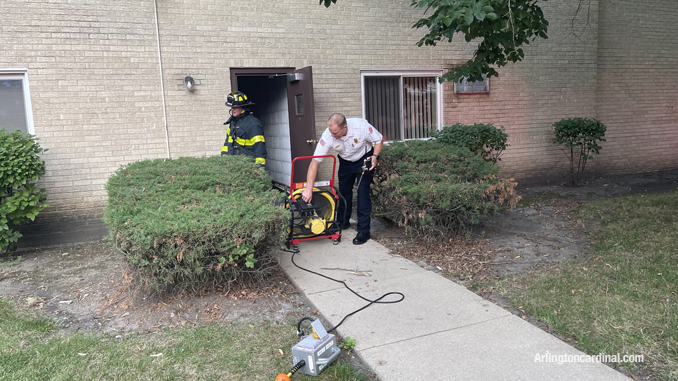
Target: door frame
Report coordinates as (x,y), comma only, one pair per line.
(255,71)
(296,149)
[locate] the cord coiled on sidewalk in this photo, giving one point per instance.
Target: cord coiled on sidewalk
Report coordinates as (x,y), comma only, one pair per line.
(370,302)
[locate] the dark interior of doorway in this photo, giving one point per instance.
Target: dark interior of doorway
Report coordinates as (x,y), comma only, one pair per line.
(269,93)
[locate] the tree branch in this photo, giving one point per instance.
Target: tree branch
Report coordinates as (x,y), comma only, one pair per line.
(588,19)
(503,26)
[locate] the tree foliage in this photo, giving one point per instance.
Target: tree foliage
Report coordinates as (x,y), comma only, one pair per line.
(502,26)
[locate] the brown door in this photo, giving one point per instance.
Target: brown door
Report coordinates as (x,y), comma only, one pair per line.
(302,118)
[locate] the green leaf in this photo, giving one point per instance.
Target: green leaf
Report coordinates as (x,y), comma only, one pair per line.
(478,20)
(468,17)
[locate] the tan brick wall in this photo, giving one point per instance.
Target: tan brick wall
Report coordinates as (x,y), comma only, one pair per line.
(557,79)
(637,95)
(207,38)
(94,75)
(92,69)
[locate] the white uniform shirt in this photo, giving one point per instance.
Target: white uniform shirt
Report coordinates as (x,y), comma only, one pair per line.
(359,139)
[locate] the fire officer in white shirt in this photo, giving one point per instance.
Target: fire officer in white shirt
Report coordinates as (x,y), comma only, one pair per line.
(355,140)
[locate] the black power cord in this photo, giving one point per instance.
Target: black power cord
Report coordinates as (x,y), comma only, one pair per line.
(371,302)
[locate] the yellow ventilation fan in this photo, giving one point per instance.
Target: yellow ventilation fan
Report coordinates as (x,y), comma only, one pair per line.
(313,218)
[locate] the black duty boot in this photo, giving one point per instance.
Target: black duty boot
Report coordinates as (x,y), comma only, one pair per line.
(361,238)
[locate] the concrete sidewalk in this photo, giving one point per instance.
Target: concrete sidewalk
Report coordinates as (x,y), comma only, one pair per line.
(441,331)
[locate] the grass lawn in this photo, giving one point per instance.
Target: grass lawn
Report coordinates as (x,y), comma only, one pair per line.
(32,348)
(624,298)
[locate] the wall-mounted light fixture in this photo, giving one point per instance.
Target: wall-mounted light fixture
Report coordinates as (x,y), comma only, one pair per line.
(190,83)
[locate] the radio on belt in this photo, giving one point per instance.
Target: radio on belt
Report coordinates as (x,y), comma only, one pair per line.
(318,352)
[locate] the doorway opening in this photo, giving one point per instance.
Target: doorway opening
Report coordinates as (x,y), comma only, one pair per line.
(283,102)
(270,107)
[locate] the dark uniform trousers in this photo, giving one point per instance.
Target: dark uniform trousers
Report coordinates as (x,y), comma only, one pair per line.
(349,172)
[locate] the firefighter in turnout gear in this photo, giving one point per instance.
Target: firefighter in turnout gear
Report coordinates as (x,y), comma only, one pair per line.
(244,135)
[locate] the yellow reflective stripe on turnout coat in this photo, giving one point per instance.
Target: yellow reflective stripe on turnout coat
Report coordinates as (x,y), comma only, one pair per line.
(245,136)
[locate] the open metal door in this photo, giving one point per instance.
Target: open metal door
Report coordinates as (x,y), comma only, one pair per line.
(302,118)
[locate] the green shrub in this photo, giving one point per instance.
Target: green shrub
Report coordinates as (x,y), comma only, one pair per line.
(580,137)
(20,168)
(187,222)
(437,188)
(485,140)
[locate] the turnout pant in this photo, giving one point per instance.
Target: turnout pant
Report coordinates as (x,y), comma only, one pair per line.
(349,173)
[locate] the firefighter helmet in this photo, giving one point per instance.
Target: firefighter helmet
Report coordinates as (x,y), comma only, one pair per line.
(237,99)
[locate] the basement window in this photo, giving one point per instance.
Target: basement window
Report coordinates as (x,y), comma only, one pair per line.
(464,86)
(15,101)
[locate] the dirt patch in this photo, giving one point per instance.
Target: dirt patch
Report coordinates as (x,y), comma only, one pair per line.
(88,287)
(544,229)
(524,239)
(534,235)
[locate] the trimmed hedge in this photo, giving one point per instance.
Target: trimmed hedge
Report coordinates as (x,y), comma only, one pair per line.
(191,221)
(485,140)
(436,189)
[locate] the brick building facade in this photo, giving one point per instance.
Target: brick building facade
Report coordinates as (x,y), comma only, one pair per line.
(106,79)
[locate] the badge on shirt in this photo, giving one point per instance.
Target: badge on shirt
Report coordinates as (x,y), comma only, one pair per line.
(370,130)
(337,146)
(322,142)
(355,140)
